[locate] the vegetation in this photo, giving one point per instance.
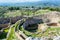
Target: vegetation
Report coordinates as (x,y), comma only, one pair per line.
(7,12)
(19,11)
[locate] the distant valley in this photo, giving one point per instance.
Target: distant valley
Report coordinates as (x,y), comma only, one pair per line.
(36,4)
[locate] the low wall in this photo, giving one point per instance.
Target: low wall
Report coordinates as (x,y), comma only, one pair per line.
(4,22)
(3,26)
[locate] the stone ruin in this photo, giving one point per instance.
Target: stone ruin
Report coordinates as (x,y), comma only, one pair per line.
(51,19)
(5,22)
(32,24)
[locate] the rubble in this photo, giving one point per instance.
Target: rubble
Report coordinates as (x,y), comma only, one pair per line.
(44,38)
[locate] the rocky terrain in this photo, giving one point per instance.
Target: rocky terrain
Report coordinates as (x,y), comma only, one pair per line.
(42,27)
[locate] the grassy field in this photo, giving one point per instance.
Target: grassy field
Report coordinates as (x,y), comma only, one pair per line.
(24,12)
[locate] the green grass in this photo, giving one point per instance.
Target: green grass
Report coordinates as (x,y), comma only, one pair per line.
(15,13)
(11,34)
(12,14)
(40,12)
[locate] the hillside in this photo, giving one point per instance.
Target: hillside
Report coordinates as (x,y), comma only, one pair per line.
(41,24)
